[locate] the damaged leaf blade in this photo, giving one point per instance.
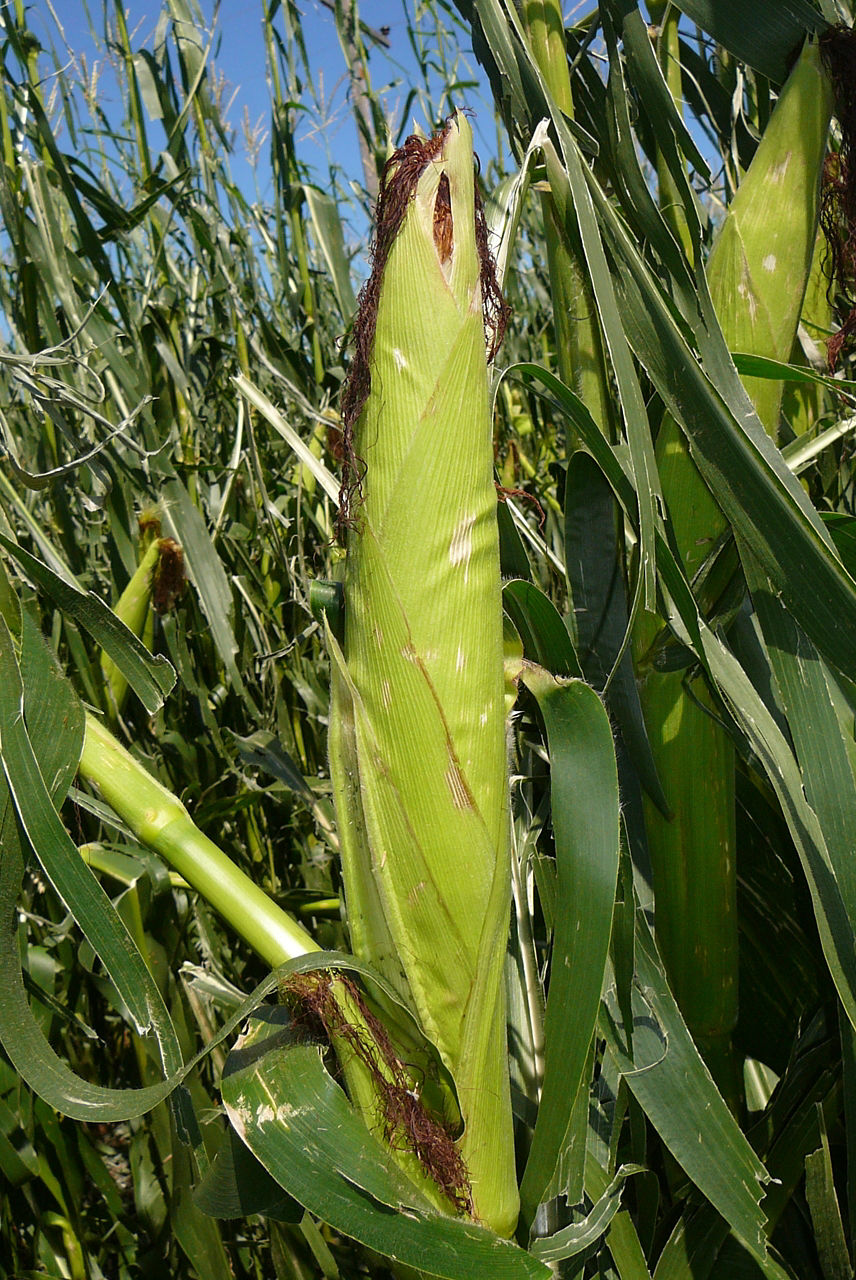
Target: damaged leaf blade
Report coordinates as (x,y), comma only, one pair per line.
(299,1124)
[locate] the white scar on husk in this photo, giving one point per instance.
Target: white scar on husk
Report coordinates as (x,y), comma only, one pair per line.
(461,546)
(747,294)
(780,171)
(458,788)
(413,895)
(770,262)
(399,358)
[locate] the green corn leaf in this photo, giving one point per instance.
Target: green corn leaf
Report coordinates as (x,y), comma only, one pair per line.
(581,1235)
(663,1069)
(584,801)
(299,1124)
(327,228)
(826,1213)
(540,627)
(778,27)
(593,565)
(72,879)
(820,745)
(237,1184)
(54,721)
(150,678)
(206,571)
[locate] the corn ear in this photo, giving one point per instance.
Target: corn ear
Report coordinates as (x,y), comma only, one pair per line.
(132,608)
(157,581)
(757,274)
(417,741)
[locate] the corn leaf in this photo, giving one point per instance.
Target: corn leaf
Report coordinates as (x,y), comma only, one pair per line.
(54,719)
(61,862)
(581,1235)
(803,684)
(663,1069)
(150,678)
(778,27)
(539,625)
(600,619)
(299,1124)
(327,228)
(205,570)
(584,802)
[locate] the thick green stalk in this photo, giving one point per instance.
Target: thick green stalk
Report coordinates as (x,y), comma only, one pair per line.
(579,353)
(417,742)
(160,820)
(757,275)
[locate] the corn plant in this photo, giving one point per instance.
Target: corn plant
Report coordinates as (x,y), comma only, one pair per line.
(757,274)
(486,908)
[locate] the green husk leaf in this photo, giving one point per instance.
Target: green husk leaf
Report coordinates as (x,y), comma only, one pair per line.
(418,724)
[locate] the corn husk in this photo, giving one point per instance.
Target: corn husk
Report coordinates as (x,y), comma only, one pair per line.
(417,740)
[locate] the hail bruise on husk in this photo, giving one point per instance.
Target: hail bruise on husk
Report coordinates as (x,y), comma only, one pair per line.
(444,226)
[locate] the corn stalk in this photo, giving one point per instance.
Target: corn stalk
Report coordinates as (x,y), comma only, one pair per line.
(579,353)
(757,275)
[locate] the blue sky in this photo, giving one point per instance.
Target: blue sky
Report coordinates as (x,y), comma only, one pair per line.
(239,56)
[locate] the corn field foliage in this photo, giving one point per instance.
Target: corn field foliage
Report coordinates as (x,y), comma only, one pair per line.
(427,699)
